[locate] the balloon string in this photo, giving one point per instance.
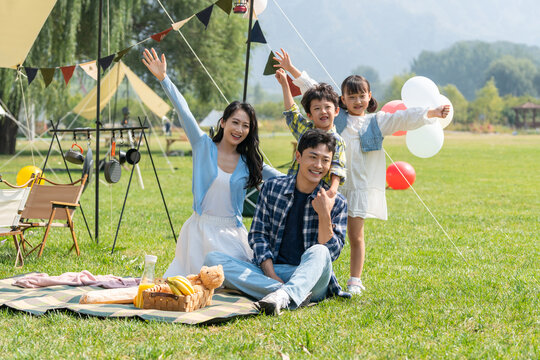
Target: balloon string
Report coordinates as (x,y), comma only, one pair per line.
(427,208)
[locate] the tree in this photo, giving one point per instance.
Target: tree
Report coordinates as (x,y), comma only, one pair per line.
(67,36)
(221,48)
(465,63)
(458,101)
(393,90)
(513,76)
(488,104)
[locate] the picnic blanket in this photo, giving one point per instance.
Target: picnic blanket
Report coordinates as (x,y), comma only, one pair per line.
(37,301)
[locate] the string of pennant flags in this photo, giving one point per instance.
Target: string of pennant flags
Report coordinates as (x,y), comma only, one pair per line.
(204,16)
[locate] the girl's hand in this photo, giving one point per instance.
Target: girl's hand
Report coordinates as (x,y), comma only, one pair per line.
(281,77)
(284,61)
(156,66)
(439,112)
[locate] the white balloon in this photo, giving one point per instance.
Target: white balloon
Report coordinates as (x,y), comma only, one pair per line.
(419,91)
(443,100)
(258,7)
(425,141)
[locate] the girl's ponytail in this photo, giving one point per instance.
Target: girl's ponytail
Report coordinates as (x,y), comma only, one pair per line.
(372,106)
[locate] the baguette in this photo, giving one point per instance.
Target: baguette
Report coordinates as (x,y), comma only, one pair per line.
(110,296)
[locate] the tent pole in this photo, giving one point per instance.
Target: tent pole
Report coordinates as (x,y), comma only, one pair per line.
(247,51)
(98,125)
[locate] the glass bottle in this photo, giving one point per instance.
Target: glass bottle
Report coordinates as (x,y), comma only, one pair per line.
(147,278)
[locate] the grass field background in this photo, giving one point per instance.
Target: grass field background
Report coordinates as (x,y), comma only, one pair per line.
(423,300)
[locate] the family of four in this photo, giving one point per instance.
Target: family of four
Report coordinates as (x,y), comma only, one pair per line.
(300,221)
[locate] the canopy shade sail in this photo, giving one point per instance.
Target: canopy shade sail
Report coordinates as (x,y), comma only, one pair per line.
(109,85)
(20,24)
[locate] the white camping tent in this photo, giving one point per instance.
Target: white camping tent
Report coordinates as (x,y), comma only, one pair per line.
(211,119)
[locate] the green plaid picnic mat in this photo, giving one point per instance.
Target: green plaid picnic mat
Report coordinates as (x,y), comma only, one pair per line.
(225,305)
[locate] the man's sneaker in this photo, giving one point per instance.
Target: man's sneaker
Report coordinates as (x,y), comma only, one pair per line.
(272,303)
(354,286)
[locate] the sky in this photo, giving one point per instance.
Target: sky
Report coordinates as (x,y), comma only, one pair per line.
(384,34)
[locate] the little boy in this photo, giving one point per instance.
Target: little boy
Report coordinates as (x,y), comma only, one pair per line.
(321,106)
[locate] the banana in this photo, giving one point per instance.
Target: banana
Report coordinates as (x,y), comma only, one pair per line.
(179,285)
(186,283)
(174,289)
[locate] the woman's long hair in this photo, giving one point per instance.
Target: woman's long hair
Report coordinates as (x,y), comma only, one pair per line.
(249,148)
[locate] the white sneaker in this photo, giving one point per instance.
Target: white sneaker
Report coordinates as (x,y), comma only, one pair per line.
(355,286)
(272,303)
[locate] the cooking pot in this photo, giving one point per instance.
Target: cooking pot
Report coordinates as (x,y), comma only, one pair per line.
(133,156)
(112,171)
(74,156)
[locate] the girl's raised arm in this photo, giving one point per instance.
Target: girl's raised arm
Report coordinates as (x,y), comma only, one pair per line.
(158,67)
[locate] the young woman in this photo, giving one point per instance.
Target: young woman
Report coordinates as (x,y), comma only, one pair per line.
(223,168)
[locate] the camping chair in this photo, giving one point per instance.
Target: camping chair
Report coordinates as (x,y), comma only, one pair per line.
(44,201)
(12,202)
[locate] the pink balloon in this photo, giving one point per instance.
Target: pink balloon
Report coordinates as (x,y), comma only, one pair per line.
(394,177)
(393,106)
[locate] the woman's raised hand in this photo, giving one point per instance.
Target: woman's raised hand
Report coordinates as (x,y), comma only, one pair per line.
(157,66)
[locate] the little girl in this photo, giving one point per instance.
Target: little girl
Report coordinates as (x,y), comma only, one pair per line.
(363,132)
(223,167)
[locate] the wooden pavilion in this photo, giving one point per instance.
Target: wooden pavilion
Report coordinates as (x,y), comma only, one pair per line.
(523,110)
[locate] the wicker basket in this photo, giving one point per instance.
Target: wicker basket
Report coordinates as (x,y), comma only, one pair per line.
(171,302)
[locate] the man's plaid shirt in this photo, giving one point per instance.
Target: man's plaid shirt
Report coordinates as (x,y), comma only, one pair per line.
(298,126)
(273,205)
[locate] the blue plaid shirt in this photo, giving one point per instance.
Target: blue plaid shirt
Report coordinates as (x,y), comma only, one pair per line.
(273,205)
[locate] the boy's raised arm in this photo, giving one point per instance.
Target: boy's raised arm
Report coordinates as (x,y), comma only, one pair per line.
(288,100)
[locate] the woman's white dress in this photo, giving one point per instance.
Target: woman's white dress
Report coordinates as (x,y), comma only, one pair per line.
(214,230)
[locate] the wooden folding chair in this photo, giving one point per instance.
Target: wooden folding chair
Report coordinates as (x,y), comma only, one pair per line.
(12,202)
(42,205)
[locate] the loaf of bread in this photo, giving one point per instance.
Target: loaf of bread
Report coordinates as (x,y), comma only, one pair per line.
(110,296)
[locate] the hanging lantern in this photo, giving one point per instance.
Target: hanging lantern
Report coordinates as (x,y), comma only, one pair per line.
(240,7)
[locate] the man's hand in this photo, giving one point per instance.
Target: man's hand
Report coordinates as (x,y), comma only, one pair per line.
(439,112)
(285,62)
(323,204)
(267,267)
(156,66)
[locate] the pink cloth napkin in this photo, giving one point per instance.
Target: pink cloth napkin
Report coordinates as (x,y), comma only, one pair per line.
(83,278)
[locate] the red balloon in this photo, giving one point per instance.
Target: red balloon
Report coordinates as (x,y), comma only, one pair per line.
(393,106)
(396,180)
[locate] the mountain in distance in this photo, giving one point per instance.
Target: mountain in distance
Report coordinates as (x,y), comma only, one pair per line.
(386,34)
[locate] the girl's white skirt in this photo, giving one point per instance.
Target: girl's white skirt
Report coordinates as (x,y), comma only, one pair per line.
(202,234)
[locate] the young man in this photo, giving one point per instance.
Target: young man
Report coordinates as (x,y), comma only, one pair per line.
(321,105)
(298,230)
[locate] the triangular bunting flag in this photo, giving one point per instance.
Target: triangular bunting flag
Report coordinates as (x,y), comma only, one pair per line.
(159,36)
(269,69)
(204,16)
(47,74)
(106,61)
(30,73)
(121,53)
(225,5)
(90,68)
(67,71)
(295,90)
(257,34)
(177,25)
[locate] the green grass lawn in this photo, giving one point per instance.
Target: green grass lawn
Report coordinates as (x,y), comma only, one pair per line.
(422,300)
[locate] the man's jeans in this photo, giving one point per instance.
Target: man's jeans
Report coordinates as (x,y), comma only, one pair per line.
(312,275)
